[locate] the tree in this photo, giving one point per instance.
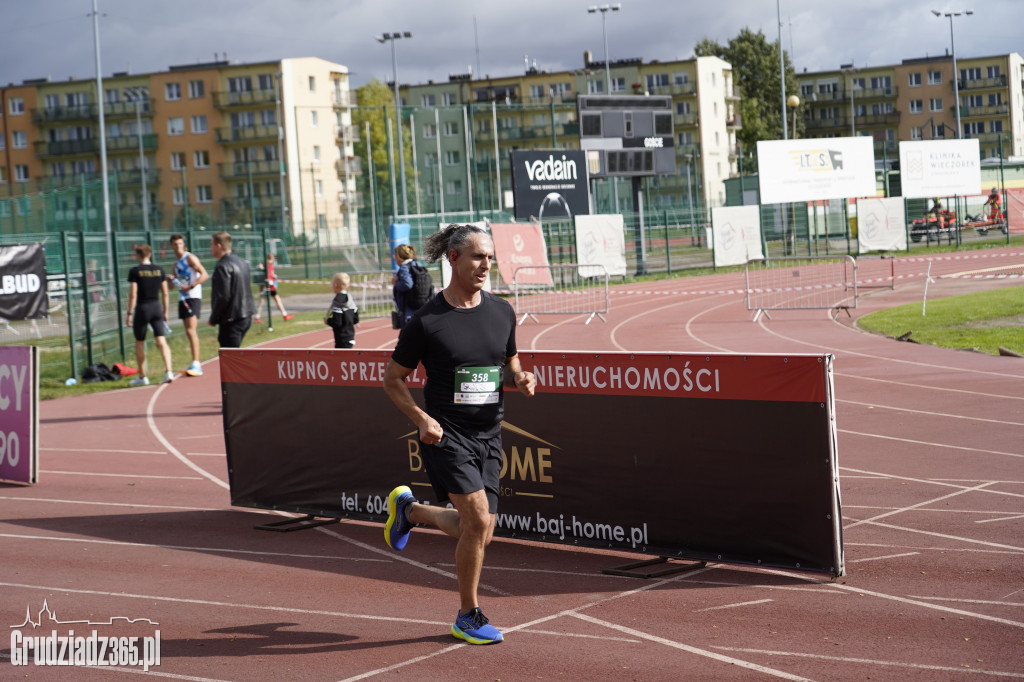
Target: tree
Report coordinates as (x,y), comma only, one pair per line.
(755,69)
(377,106)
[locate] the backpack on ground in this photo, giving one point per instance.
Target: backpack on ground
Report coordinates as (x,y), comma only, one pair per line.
(422,287)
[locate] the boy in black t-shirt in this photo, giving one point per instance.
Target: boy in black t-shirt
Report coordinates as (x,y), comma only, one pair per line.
(147,306)
(342,316)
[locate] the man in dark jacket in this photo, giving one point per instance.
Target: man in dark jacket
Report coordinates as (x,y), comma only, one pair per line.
(231,304)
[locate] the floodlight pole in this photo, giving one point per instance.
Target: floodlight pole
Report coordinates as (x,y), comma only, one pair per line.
(398,110)
(956,75)
(136,94)
(782,70)
(604,9)
(103,127)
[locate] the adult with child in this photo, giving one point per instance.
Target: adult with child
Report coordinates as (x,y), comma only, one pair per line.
(231,304)
(147,307)
(408,297)
(465,339)
(271,286)
(189,275)
(343,315)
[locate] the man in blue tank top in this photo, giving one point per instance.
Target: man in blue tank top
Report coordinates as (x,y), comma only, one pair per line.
(189,275)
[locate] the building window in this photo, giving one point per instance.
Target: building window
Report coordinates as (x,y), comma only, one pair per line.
(243,119)
(199,124)
(178,195)
(177,160)
(196,89)
(16,106)
(453,187)
(916,106)
(562,89)
(240,84)
(265,81)
(448,99)
(995,99)
(204,194)
(995,126)
(429,130)
(312,83)
(316,153)
(52,101)
(451,129)
(881,83)
(806,90)
(992,71)
(972,101)
(268,117)
(657,80)
(20,173)
(172,91)
(428,100)
(430,159)
(176,126)
(113,96)
(826,88)
(451,158)
(681,78)
(314,119)
(618,84)
(19,140)
(938,130)
(537,91)
(682,108)
(916,133)
(201,159)
(935,104)
(974,128)
(595,87)
(934,78)
(914,80)
(685,139)
(319,185)
(970,74)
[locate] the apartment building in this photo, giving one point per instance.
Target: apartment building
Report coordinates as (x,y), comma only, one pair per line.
(464,128)
(203,140)
(916,100)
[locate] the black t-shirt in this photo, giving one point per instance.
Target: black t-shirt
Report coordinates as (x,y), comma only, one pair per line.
(446,339)
(149,277)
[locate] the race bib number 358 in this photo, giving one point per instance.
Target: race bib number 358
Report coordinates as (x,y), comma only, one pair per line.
(477,385)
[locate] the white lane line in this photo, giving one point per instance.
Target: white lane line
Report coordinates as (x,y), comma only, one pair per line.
(871,661)
(970,601)
(1002,518)
(941,550)
(945,536)
(902,600)
(96,473)
(938,481)
(187,548)
(942,389)
(930,444)
(170,448)
(930,413)
(627,640)
(917,506)
(690,649)
(134,505)
(105,451)
(205,454)
(879,558)
(236,605)
(733,606)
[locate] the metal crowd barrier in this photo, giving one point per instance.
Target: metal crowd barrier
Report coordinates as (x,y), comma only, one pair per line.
(811,283)
(567,289)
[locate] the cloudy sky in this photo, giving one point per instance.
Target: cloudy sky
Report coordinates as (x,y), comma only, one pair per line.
(54,38)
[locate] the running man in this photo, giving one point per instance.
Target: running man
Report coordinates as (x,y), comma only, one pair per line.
(465,338)
(147,306)
(189,275)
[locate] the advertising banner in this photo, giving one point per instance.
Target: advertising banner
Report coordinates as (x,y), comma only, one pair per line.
(517,245)
(550,183)
(23,282)
(711,457)
(816,169)
(881,224)
(601,240)
(19,414)
(736,231)
(939,168)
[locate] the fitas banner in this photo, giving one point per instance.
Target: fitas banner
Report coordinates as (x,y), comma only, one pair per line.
(23,282)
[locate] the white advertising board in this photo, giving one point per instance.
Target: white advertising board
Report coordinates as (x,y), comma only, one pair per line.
(816,169)
(736,231)
(600,240)
(940,168)
(881,224)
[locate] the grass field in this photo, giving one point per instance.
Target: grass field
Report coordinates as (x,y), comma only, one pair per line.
(982,321)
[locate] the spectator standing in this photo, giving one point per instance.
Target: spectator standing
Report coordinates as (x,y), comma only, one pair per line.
(342,316)
(271,286)
(147,307)
(189,275)
(231,304)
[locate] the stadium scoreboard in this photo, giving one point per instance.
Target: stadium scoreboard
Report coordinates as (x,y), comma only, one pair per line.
(627,135)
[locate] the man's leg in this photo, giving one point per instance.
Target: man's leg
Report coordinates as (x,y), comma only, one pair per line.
(165,352)
(476,525)
(140,357)
(193,336)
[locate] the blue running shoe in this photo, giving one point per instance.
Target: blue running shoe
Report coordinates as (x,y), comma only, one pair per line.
(475,628)
(397,529)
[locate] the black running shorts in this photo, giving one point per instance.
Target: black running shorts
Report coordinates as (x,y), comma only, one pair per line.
(192,307)
(148,313)
(463,464)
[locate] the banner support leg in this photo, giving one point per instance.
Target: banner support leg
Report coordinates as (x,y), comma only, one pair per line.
(295,523)
(628,570)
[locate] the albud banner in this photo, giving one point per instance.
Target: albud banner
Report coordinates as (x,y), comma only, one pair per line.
(550,183)
(940,168)
(23,282)
(816,169)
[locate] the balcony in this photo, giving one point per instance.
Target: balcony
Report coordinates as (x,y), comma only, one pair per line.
(734,95)
(72,179)
(350,166)
(888,118)
(987,138)
(67,148)
(874,93)
(133,212)
(351,200)
(686,119)
(127,178)
(344,98)
(994,110)
(983,83)
(678,89)
(736,122)
(248,134)
(240,170)
(130,143)
(244,203)
(84,112)
(347,133)
(126,109)
(228,100)
(826,123)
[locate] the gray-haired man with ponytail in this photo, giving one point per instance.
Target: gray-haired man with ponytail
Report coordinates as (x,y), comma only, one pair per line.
(465,338)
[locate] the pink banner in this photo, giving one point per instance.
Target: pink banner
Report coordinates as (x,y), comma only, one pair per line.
(19,425)
(521,245)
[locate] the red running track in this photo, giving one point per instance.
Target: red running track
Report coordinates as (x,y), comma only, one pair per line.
(131,519)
